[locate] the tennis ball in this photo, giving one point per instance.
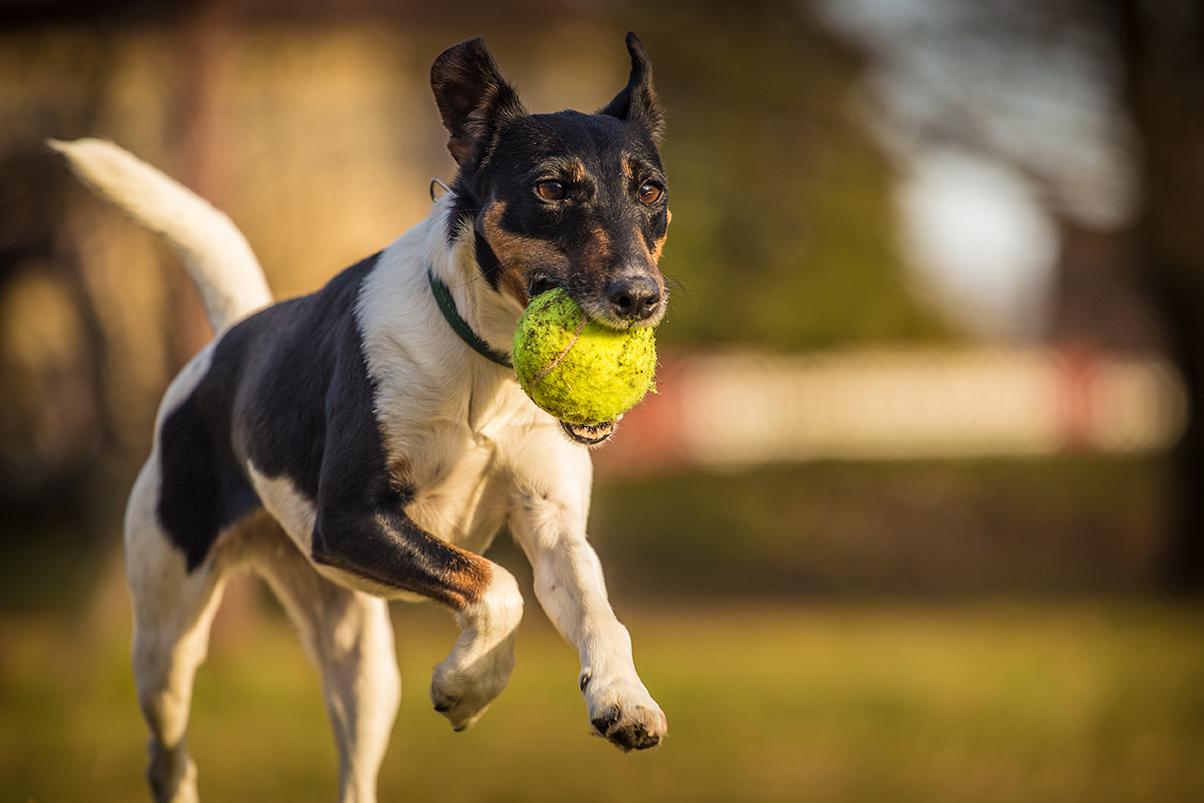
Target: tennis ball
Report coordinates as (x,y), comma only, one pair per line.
(576,369)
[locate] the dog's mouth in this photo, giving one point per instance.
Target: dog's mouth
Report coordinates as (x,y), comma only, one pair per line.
(595,309)
(585,434)
(589,434)
(540,285)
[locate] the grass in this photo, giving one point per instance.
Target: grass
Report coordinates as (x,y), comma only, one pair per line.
(833,702)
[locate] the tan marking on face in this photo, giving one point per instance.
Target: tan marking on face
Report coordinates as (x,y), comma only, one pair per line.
(599,246)
(657,248)
(628,170)
(576,169)
(517,255)
(570,168)
(594,256)
(659,245)
(653,256)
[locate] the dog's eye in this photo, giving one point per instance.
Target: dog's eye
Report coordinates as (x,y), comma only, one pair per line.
(650,192)
(551,190)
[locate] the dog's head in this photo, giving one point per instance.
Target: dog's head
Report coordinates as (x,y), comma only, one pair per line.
(574,200)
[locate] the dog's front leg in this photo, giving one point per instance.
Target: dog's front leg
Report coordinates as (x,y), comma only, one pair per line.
(363,538)
(381,551)
(548,520)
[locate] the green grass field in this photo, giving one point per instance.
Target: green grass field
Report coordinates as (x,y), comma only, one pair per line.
(869,701)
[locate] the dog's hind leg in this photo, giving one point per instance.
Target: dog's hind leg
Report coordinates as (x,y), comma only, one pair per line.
(349,636)
(173,610)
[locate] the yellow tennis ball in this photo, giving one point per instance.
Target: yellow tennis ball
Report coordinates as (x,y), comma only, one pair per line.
(576,369)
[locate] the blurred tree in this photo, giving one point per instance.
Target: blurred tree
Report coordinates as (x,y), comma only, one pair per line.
(784,231)
(1099,106)
(1160,45)
(57,401)
(55,419)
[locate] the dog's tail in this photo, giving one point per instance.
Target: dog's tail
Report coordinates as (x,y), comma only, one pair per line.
(214,251)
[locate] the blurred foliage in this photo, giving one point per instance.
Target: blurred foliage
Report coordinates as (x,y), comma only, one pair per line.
(783,232)
(935,528)
(316,131)
(942,529)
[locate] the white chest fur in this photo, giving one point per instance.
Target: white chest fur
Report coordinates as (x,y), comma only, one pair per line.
(458,469)
(447,415)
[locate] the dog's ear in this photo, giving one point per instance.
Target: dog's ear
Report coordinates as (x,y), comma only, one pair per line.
(637,101)
(473,98)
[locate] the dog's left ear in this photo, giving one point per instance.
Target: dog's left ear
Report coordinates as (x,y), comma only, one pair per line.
(473,98)
(637,101)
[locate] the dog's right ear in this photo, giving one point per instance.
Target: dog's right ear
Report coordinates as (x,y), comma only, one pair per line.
(637,101)
(473,98)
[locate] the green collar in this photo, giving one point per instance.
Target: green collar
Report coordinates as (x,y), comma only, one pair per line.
(447,305)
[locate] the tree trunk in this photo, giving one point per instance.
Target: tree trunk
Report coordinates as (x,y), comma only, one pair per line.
(1161,47)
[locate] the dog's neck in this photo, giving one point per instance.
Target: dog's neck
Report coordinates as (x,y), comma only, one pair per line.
(422,368)
(452,259)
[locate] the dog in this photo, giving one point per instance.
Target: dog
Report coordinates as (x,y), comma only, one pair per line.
(366,442)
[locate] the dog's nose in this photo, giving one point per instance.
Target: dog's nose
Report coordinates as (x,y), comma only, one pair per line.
(634,298)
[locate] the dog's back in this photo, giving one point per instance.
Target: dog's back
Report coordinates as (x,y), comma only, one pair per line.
(262,403)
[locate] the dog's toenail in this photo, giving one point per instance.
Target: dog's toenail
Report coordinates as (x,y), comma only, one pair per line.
(606,720)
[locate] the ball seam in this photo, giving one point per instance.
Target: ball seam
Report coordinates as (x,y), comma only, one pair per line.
(550,367)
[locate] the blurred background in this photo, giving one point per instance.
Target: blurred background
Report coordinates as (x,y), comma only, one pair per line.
(917,513)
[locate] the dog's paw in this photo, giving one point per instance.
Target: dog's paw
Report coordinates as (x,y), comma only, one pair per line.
(462,693)
(624,713)
(479,666)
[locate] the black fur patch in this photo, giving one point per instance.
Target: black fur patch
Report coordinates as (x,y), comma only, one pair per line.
(294,359)
(271,374)
(289,389)
(487,261)
(203,490)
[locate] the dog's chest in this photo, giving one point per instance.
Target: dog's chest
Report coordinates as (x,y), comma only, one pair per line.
(455,467)
(458,495)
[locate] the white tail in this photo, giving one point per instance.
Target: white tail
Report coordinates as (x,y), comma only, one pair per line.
(214,251)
